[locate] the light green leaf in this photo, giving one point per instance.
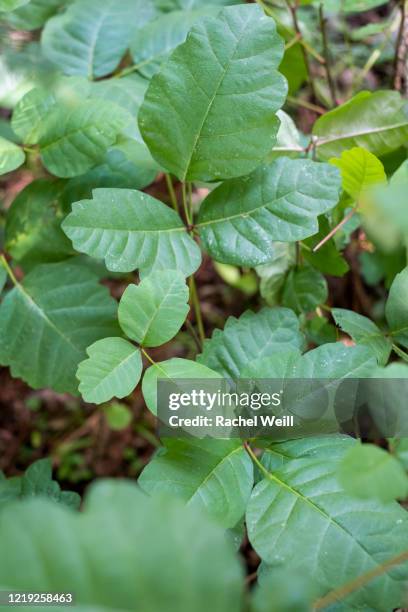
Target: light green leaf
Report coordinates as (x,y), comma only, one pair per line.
(48,320)
(175,5)
(228,62)
(33,233)
(360,170)
(135,548)
(288,139)
(130,230)
(305,289)
(399,448)
(364,331)
(220,483)
(396,308)
(369,472)
(304,498)
(36,482)
(335,360)
(253,335)
(73,139)
(277,590)
(90,37)
(239,220)
(153,43)
(153,311)
(375,121)
(30,114)
(172,369)
(113,369)
(11,156)
(11,5)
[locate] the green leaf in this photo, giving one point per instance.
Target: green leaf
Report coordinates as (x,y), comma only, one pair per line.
(368,472)
(375,121)
(174,5)
(253,335)
(48,320)
(91,37)
(288,137)
(364,331)
(118,416)
(113,369)
(228,62)
(327,258)
(360,170)
(153,43)
(30,114)
(319,331)
(399,448)
(239,220)
(136,549)
(305,289)
(220,483)
(153,311)
(3,278)
(172,369)
(36,482)
(280,591)
(396,308)
(72,140)
(11,156)
(304,498)
(11,5)
(334,360)
(273,273)
(33,14)
(33,233)
(130,230)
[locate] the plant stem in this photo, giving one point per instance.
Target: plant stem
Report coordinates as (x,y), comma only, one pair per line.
(256,460)
(400,352)
(147,356)
(171,191)
(185,207)
(334,230)
(292,9)
(313,107)
(357,583)
(326,54)
(9,271)
(197,310)
(401,48)
(193,333)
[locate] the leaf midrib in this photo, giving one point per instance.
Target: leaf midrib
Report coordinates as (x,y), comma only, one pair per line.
(323,141)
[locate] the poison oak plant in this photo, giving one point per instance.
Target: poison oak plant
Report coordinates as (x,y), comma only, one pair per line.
(124,91)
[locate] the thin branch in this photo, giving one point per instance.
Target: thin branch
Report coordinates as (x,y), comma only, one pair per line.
(185,205)
(334,230)
(357,583)
(9,271)
(400,352)
(293,11)
(401,48)
(313,107)
(326,53)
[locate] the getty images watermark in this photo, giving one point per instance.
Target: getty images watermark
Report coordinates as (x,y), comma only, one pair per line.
(278,409)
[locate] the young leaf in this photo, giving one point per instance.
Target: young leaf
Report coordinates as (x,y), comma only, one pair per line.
(220,484)
(239,220)
(375,121)
(48,321)
(125,534)
(172,369)
(11,156)
(29,114)
(113,369)
(396,308)
(360,170)
(368,472)
(153,311)
(118,416)
(252,336)
(73,140)
(363,331)
(153,43)
(304,498)
(273,273)
(227,62)
(130,229)
(90,37)
(305,288)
